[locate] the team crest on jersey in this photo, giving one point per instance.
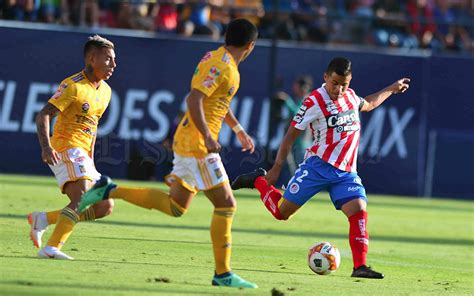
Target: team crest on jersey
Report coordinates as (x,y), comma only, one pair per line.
(85,107)
(211,160)
(294,188)
(206,57)
(82,169)
(60,90)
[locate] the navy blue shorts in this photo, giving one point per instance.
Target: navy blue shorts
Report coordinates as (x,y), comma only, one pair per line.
(314,175)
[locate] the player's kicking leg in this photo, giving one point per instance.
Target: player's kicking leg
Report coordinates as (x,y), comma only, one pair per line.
(100,191)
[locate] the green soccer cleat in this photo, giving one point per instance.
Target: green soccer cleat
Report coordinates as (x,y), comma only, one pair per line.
(230,279)
(100,191)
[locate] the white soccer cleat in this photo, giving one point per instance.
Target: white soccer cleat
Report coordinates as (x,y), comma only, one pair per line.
(39,223)
(53,253)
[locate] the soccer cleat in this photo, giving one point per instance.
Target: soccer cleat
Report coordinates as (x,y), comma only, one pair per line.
(38,224)
(366,272)
(53,253)
(100,191)
(247,180)
(230,279)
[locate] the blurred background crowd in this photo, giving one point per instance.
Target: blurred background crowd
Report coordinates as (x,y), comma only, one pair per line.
(439,25)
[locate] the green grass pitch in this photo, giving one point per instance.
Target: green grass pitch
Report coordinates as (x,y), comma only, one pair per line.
(424,247)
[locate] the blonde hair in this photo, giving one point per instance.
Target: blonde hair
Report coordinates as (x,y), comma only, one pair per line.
(97,42)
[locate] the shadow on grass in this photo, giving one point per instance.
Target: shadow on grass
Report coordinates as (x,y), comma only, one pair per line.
(95,289)
(278,232)
(380,202)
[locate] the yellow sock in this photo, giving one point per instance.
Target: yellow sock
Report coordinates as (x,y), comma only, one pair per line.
(88,215)
(64,226)
(52,216)
(149,198)
(222,238)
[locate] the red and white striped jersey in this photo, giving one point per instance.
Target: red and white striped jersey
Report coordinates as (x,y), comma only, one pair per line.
(335,126)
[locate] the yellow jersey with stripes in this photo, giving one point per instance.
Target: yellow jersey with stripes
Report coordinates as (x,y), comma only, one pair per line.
(81,105)
(218,77)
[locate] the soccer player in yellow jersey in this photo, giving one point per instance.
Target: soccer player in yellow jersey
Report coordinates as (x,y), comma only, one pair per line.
(197,164)
(79,102)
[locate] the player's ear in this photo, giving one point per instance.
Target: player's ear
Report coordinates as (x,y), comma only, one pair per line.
(250,45)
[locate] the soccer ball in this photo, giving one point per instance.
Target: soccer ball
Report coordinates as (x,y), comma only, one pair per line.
(323,258)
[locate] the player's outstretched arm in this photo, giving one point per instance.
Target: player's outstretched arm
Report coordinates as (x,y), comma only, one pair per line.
(245,140)
(283,151)
(374,100)
(43,119)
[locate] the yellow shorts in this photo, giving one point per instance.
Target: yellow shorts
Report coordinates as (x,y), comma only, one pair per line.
(198,173)
(75,164)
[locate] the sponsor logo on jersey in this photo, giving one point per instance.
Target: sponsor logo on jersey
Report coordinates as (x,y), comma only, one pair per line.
(59,91)
(206,57)
(79,159)
(294,188)
(214,71)
(208,81)
(211,160)
(300,114)
(344,121)
(226,58)
(85,107)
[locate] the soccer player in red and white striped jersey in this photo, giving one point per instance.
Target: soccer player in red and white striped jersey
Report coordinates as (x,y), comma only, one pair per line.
(331,112)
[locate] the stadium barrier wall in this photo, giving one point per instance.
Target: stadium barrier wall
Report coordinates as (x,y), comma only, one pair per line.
(153,77)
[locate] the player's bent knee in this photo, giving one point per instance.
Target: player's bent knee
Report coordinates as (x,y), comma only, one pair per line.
(104,208)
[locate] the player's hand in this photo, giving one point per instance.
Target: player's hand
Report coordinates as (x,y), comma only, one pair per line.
(212,145)
(246,141)
(50,156)
(272,175)
(400,86)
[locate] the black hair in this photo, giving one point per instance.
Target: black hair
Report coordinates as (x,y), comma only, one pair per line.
(340,66)
(96,42)
(240,32)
